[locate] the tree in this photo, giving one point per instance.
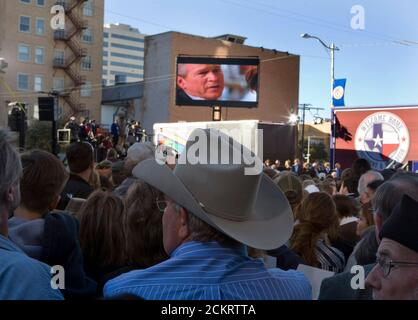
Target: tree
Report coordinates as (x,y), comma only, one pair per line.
(318,152)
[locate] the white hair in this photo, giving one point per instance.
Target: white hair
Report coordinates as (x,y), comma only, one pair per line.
(10,165)
(182,70)
(366,178)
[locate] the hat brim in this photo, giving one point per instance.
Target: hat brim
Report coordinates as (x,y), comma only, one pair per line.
(269,226)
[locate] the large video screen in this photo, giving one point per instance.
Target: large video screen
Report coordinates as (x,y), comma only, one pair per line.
(230,82)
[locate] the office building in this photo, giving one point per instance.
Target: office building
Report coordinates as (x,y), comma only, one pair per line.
(123,54)
(43,59)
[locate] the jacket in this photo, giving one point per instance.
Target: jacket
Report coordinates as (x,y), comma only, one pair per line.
(339,287)
(75,187)
(57,243)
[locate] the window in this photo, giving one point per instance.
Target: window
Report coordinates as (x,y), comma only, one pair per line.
(87,36)
(106,34)
(127,74)
(127,65)
(39,83)
(24,24)
(26,1)
(39,55)
(86,89)
(127,56)
(59,57)
(122,46)
(121,36)
(22,81)
(23,53)
(40,26)
(86,63)
(88,8)
(40,3)
(58,84)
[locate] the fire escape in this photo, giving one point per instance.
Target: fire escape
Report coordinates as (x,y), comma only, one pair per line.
(71,65)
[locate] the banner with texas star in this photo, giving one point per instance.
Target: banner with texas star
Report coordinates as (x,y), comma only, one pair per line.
(382,135)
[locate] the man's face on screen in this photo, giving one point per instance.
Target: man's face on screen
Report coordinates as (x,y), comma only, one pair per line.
(202,80)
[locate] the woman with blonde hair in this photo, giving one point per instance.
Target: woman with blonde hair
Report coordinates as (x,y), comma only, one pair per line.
(288,165)
(317,220)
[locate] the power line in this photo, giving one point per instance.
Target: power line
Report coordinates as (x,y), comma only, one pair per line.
(316,21)
(166,77)
(290,15)
(139,19)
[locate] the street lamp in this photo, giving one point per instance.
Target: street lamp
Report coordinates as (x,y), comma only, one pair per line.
(318,120)
(332,48)
(293,119)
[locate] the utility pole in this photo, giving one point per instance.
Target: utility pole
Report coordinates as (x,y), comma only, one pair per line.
(309,149)
(332,49)
(305,106)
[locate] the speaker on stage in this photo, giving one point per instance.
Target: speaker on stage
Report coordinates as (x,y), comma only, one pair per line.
(46,108)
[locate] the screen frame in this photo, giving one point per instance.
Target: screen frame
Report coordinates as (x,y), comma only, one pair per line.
(246,61)
(60,133)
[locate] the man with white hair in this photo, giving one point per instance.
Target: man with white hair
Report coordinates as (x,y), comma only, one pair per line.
(21,278)
(365,179)
(212,212)
(137,153)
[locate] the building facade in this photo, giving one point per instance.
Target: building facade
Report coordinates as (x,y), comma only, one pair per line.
(278,83)
(123,54)
(42,58)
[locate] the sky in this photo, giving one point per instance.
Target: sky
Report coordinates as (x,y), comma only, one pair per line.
(379,62)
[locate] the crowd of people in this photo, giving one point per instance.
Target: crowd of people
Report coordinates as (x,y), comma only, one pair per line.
(130,228)
(104,140)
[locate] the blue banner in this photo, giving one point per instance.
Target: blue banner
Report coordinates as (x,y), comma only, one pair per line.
(338,92)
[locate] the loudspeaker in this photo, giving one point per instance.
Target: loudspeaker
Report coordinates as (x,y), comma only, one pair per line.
(46,108)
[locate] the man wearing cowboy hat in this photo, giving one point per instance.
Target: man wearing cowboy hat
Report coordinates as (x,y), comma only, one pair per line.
(211,213)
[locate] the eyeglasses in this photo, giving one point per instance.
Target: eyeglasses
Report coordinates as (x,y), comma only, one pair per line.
(387,264)
(161,204)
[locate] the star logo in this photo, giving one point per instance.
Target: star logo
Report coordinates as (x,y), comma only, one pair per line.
(380,141)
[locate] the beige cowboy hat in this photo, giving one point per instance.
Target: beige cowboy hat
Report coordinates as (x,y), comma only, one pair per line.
(248,208)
